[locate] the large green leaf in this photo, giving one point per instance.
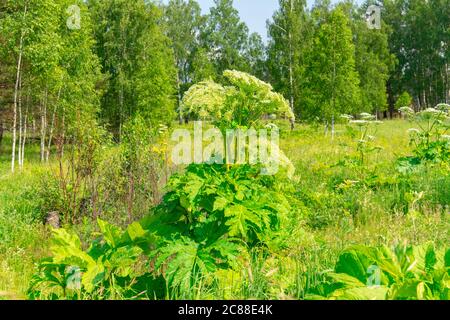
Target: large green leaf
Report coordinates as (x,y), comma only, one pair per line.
(179,260)
(135,231)
(93,276)
(123,259)
(220,203)
(111,233)
(414,272)
(66,249)
(346,279)
(355,263)
(240,220)
(361,293)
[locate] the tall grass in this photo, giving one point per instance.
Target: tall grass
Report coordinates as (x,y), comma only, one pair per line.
(23,238)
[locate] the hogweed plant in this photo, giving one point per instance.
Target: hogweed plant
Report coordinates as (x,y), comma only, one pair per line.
(430,139)
(236,111)
(210,221)
(365,134)
(404,272)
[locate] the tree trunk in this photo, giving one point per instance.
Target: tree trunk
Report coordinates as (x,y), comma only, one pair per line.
(291,77)
(16,89)
(180,108)
(16,94)
(447,87)
(43,125)
(425,102)
(121,100)
(19,154)
(42,131)
(2,126)
(24,137)
(50,137)
(332,128)
(130,196)
(333,93)
(291,70)
(390,99)
(419,105)
(25,125)
(63,133)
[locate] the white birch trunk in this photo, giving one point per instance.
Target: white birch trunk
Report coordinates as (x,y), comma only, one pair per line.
(19,151)
(16,89)
(47,155)
(16,94)
(43,126)
(24,137)
(332,128)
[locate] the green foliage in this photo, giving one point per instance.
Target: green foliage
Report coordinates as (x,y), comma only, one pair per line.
(225,35)
(223,231)
(183,21)
(422,60)
(405,273)
(77,179)
(404,100)
(207,222)
(373,61)
(330,207)
(331,64)
(203,67)
(188,264)
(256,55)
(137,57)
(290,35)
(238,201)
(209,218)
(144,163)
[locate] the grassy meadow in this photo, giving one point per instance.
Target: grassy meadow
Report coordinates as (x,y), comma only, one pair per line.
(336,203)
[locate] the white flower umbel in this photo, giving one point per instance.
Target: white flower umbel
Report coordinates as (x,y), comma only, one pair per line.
(443,107)
(346,116)
(407,111)
(244,102)
(359,122)
(367,116)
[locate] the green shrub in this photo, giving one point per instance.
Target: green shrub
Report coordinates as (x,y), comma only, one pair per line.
(210,220)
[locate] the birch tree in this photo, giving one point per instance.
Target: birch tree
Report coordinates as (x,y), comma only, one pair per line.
(289,36)
(183,21)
